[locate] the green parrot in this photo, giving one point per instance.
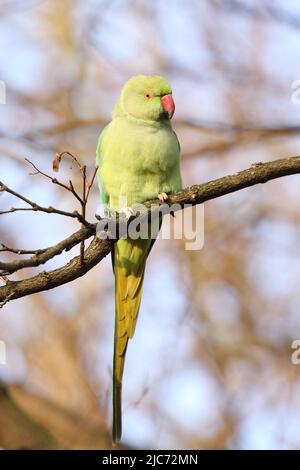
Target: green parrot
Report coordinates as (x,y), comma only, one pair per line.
(138,159)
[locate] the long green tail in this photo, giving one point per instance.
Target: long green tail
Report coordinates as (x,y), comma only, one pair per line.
(129,267)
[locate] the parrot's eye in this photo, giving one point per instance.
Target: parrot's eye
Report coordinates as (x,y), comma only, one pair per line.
(147,95)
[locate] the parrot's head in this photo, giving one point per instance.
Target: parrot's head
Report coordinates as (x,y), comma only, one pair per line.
(147,97)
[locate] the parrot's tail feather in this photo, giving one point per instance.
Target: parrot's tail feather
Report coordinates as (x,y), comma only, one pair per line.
(128,292)
(117,398)
(117,414)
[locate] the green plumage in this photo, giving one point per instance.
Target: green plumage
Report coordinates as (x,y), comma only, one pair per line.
(138,158)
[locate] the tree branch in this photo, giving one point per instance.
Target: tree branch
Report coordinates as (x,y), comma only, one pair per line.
(98,249)
(256,174)
(42,256)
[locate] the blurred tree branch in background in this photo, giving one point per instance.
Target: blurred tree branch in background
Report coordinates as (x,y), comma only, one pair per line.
(30,422)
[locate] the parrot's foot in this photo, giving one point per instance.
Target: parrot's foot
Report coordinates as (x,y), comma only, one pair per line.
(163,197)
(127,212)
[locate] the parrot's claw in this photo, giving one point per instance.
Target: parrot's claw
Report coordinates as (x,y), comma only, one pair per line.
(163,197)
(127,212)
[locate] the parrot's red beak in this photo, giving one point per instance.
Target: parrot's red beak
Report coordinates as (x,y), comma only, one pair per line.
(168,105)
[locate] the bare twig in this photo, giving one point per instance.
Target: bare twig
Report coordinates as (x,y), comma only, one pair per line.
(86,187)
(16,209)
(20,252)
(83,209)
(59,156)
(70,187)
(36,207)
(90,184)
